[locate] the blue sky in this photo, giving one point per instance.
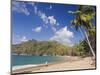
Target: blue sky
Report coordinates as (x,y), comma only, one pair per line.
(43,21)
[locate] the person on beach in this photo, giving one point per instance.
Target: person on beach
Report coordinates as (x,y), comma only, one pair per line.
(46,63)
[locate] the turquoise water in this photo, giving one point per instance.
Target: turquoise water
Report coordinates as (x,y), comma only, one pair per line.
(24,60)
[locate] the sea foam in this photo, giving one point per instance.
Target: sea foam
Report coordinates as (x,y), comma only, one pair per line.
(23,66)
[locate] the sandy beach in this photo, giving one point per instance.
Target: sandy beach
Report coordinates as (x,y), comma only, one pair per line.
(75,63)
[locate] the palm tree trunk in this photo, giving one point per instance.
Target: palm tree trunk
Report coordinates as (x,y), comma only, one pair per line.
(87,40)
(89,44)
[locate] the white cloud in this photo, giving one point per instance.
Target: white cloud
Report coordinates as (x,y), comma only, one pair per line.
(63,36)
(23,39)
(37,29)
(43,17)
(35,10)
(45,25)
(52,20)
(20,7)
(17,39)
(48,20)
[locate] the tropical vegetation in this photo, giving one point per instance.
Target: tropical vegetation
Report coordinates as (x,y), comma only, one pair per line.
(84,18)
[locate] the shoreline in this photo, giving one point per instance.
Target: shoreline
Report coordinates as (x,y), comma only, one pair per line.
(75,63)
(24,66)
(63,58)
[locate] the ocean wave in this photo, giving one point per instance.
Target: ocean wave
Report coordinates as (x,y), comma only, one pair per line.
(24,66)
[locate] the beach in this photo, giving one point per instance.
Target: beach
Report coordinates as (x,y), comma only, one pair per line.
(75,63)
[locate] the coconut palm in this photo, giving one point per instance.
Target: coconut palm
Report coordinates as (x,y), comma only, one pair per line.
(83,17)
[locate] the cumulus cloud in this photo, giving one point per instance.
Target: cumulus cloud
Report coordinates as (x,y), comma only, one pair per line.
(23,39)
(47,20)
(43,17)
(37,29)
(20,7)
(63,36)
(52,20)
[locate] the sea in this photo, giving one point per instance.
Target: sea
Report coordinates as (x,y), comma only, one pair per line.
(25,60)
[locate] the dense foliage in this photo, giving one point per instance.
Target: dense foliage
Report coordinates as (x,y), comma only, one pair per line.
(84,22)
(51,48)
(33,47)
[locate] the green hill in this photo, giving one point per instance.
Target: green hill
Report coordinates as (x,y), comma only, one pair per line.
(34,47)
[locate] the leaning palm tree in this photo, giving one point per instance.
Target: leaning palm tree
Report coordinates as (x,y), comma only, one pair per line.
(82,21)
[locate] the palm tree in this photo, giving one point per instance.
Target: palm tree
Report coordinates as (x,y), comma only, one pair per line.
(82,21)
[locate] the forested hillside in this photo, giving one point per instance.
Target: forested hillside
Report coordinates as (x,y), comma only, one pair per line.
(34,47)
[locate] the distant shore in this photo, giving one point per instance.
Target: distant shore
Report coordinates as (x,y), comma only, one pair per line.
(75,63)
